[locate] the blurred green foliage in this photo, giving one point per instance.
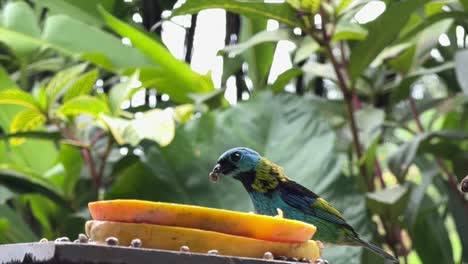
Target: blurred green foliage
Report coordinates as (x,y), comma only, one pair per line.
(372,116)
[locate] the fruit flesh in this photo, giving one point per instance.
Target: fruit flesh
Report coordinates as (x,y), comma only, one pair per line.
(223,221)
(199,241)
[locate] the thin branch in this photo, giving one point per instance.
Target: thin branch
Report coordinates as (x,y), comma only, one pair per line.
(102,165)
(451,178)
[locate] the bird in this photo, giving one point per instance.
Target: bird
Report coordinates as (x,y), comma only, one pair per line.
(271,191)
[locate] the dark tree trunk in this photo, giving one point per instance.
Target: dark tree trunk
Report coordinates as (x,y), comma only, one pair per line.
(151,12)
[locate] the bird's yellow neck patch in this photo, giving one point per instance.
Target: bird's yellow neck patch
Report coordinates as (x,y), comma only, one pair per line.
(267,176)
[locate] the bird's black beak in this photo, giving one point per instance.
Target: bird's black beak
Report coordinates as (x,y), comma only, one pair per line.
(215,173)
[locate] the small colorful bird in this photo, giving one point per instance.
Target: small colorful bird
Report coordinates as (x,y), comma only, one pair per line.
(270,189)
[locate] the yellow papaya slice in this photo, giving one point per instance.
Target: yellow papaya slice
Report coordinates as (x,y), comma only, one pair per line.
(199,241)
(223,221)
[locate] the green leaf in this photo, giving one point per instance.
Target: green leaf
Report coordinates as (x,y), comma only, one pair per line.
(67,169)
(348,30)
(75,9)
(369,122)
(306,47)
(256,39)
(382,32)
(84,105)
(389,202)
(404,61)
(183,113)
(25,121)
(24,181)
(401,159)
(66,35)
(8,111)
(461,57)
(457,206)
(180,79)
(156,125)
(60,81)
(465,4)
(429,227)
(343,5)
(429,171)
(278,127)
(18,97)
(259,57)
(284,78)
(13,228)
(413,31)
(317,69)
(282,12)
(82,86)
(20,17)
(122,91)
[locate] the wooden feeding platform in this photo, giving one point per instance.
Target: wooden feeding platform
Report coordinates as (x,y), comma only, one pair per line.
(74,253)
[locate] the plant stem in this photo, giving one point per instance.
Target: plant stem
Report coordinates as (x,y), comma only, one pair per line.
(348,98)
(451,178)
(353,104)
(102,165)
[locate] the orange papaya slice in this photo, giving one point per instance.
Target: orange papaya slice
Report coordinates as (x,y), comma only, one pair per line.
(223,221)
(199,241)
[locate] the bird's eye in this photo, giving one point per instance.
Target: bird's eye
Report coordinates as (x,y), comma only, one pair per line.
(235,156)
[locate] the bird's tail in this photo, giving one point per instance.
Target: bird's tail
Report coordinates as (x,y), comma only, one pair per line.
(388,258)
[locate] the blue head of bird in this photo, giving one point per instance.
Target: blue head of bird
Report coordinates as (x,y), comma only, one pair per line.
(234,163)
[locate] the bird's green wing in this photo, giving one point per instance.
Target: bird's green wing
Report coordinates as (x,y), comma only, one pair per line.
(323,205)
(310,203)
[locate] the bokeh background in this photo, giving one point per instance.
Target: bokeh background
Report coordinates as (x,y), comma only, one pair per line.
(364,102)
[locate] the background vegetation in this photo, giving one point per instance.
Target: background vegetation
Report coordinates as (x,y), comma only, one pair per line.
(374,116)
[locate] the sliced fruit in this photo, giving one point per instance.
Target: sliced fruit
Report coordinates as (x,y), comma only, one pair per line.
(199,241)
(223,221)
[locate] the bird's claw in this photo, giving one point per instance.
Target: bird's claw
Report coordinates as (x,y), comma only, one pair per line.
(279,213)
(320,261)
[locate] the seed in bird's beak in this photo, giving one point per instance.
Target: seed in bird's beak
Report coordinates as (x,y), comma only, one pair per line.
(214,176)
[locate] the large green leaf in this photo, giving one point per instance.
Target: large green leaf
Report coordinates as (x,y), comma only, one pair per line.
(18,97)
(84,10)
(24,181)
(76,39)
(282,12)
(429,235)
(259,57)
(34,154)
(26,120)
(82,85)
(390,202)
(382,32)
(257,39)
(458,207)
(287,129)
(61,80)
(18,16)
(67,169)
(181,81)
(13,229)
(156,125)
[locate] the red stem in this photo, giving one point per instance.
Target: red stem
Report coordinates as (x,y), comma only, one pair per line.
(451,178)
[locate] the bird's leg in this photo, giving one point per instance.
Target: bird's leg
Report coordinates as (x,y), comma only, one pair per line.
(279,213)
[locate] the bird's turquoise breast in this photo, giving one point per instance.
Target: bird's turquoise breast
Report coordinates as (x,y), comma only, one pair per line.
(267,205)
